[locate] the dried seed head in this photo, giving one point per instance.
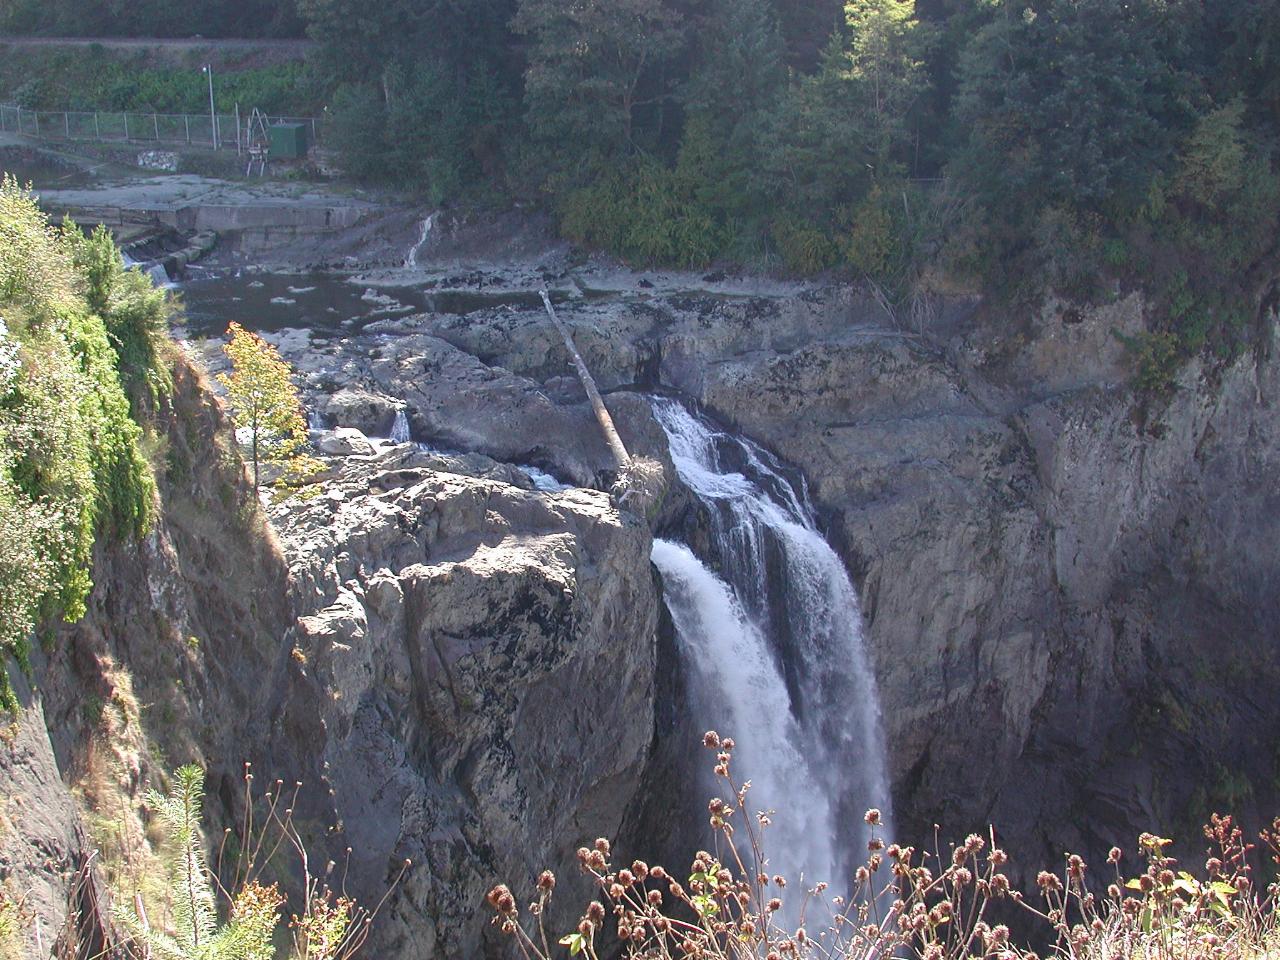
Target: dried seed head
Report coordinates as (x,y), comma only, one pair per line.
(602,845)
(1047,881)
(1114,855)
(595,912)
(711,740)
(872,817)
(546,881)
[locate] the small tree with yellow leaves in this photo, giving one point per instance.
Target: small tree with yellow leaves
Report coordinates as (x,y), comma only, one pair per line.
(264,402)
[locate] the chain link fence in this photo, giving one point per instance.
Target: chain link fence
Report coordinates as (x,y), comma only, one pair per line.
(220,131)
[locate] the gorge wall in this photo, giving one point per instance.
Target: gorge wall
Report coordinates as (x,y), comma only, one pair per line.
(1070,596)
(1069,590)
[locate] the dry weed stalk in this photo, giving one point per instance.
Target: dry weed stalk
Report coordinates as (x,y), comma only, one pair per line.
(325,923)
(931,905)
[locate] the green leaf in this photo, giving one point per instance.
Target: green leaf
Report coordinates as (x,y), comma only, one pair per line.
(705,906)
(575,942)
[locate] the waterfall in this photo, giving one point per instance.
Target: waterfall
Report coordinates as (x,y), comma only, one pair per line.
(542,480)
(400,428)
(778,643)
(152,268)
(749,700)
(411,258)
(315,421)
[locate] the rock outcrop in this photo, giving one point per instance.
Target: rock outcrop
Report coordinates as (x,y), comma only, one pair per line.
(472,677)
(1061,582)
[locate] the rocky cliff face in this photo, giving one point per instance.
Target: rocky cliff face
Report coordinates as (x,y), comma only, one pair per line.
(471,676)
(1065,589)
(1070,597)
(457,668)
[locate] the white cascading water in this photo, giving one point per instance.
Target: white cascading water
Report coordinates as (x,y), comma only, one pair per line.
(400,432)
(411,258)
(749,700)
(778,645)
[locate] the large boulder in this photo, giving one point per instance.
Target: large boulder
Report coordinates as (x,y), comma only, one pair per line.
(472,679)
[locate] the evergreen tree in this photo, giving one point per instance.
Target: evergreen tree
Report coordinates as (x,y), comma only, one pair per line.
(1077,102)
(732,102)
(594,67)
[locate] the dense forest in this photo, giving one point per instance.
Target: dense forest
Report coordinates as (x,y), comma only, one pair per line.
(1019,144)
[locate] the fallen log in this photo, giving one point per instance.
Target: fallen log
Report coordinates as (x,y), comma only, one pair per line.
(621,458)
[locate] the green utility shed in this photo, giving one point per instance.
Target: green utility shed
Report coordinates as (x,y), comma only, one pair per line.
(288,141)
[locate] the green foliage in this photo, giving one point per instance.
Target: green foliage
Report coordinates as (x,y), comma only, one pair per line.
(195,933)
(265,403)
(71,464)
(1212,163)
(595,68)
(1155,358)
(60,79)
(872,246)
(645,212)
(805,249)
(150,18)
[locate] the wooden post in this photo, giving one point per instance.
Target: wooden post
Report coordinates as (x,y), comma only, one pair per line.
(126,126)
(155,125)
(186,121)
(620,456)
(97,128)
(66,123)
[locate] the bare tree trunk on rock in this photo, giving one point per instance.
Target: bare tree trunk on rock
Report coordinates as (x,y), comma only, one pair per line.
(620,456)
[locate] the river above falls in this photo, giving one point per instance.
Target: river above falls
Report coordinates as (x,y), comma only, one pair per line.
(331,302)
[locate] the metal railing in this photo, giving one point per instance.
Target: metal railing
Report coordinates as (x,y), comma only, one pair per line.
(221,131)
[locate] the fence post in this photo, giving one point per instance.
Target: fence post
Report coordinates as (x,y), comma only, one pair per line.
(239,147)
(126,126)
(37,123)
(97,127)
(66,123)
(155,125)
